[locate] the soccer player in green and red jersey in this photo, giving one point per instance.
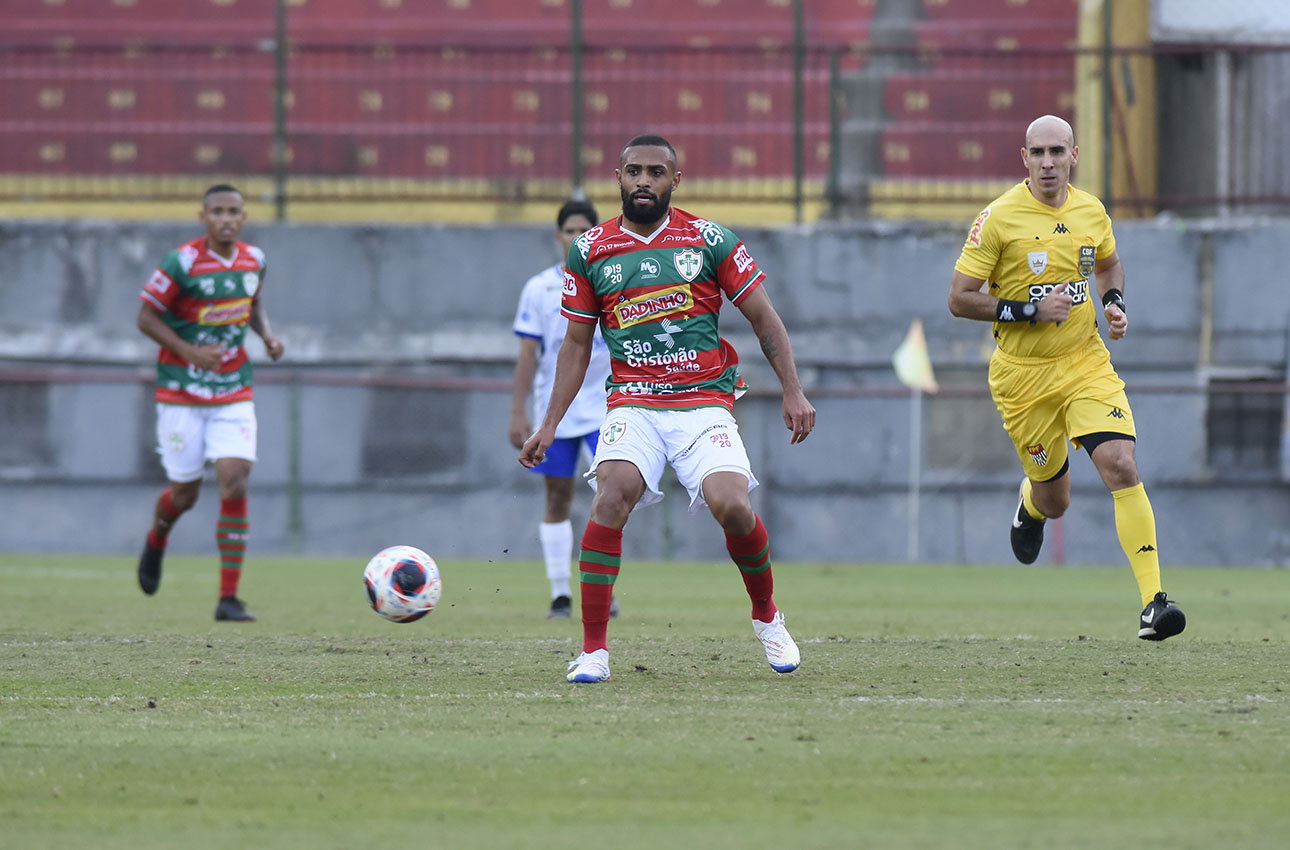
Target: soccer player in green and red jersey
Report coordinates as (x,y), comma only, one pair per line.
(197,307)
(654,280)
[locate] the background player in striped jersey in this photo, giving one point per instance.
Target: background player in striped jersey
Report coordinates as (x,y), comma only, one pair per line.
(541,328)
(1051,377)
(654,280)
(197,307)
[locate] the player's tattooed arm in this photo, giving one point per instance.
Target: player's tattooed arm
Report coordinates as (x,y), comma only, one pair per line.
(799,414)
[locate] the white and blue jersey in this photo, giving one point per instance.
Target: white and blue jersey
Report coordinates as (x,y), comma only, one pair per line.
(538,317)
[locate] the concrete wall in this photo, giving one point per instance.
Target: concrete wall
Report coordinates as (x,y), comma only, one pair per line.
(387,420)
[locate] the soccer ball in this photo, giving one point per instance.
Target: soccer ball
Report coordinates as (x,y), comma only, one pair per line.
(402,583)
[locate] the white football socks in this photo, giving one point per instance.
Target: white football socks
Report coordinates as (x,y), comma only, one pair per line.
(557,549)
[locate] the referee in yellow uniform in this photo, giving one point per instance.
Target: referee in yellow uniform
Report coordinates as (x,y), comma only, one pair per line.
(1028,266)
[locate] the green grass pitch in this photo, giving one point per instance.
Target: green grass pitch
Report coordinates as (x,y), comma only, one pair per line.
(936,707)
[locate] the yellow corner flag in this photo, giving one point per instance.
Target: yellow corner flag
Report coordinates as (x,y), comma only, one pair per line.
(913,363)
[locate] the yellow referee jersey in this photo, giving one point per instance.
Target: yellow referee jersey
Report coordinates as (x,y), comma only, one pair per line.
(1024,248)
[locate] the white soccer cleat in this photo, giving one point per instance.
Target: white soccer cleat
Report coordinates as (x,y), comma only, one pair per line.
(781,651)
(590,667)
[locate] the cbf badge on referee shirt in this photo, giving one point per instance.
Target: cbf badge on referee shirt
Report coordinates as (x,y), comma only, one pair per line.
(1087,254)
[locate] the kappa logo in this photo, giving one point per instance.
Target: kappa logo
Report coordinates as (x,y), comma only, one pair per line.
(1060,228)
(688,263)
(1038,261)
(1116,413)
(1038,454)
(1147,548)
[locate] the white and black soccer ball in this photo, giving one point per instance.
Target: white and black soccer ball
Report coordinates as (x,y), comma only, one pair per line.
(402,583)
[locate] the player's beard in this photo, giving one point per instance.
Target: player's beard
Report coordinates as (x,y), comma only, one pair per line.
(645,215)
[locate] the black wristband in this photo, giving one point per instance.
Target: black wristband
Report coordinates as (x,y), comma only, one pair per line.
(1113,296)
(1015,311)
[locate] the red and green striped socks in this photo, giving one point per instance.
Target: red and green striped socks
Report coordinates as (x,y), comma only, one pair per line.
(230,536)
(598,564)
(751,555)
(163,519)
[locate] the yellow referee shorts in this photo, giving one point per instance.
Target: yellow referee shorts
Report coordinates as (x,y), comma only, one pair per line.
(1045,401)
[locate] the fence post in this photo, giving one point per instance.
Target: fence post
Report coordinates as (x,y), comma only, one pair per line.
(295,510)
(835,132)
(1108,93)
(280,112)
(799,106)
(575,54)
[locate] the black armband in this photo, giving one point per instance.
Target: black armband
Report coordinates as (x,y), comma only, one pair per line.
(1015,311)
(1113,296)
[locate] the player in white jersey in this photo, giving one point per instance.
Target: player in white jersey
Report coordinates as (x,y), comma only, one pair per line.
(541,329)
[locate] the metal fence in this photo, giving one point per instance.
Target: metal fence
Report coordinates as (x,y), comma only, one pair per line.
(801,111)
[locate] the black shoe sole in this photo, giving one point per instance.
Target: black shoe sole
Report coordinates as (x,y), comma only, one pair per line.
(150,569)
(1170,623)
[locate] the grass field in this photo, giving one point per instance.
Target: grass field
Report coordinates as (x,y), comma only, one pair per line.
(936,707)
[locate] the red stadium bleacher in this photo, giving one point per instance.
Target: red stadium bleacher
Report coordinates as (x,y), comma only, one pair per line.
(975,149)
(1054,12)
(482,88)
(989,96)
(986,68)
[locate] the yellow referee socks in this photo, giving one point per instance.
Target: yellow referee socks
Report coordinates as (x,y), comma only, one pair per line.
(1135,524)
(1029,503)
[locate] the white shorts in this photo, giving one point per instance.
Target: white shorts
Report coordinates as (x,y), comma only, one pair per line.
(696,443)
(188,436)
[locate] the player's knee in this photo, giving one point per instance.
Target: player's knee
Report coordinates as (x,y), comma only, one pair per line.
(233,488)
(184,496)
(611,507)
(1053,508)
(735,516)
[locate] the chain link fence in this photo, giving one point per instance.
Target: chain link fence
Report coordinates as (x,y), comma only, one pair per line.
(783,110)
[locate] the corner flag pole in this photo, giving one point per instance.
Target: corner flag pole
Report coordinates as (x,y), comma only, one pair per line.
(913,367)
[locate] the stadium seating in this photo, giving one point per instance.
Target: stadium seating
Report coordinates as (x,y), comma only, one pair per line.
(972,96)
(985,68)
(1061,12)
(432,88)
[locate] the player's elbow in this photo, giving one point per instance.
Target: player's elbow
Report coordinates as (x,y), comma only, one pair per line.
(956,305)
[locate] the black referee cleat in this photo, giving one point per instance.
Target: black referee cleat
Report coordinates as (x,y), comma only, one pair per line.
(231,608)
(1161,619)
(150,568)
(561,608)
(1027,534)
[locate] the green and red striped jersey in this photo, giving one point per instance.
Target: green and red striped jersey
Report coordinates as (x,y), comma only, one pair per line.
(206,299)
(657,300)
